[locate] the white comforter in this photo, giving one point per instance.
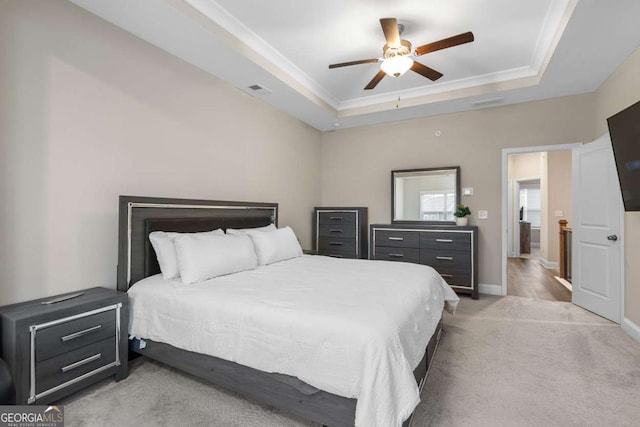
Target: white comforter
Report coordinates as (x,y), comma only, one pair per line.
(355,328)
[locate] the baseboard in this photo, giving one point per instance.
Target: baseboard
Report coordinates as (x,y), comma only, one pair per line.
(549,265)
(631,329)
(489,289)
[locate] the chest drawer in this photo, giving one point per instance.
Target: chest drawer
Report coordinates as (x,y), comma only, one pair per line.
(67,366)
(335,243)
(445,240)
(338,252)
(437,257)
(397,254)
(336,218)
(74,334)
(397,239)
(337,230)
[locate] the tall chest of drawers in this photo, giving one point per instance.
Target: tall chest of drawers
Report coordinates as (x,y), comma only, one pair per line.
(450,250)
(57,345)
(340,232)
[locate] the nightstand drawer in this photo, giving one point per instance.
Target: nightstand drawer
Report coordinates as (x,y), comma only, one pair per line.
(436,257)
(448,241)
(397,254)
(65,367)
(397,239)
(331,231)
(327,243)
(74,334)
(336,218)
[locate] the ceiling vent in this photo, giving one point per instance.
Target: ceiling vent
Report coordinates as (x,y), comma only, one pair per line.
(485,102)
(258,90)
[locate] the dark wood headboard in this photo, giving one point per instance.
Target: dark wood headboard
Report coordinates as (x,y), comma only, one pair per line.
(139,216)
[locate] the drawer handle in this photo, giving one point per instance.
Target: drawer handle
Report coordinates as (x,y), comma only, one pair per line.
(450,276)
(397,238)
(336,218)
(335,243)
(396,255)
(445,258)
(444,240)
(335,230)
(81,362)
(79,333)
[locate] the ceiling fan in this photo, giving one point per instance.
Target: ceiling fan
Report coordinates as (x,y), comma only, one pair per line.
(398,54)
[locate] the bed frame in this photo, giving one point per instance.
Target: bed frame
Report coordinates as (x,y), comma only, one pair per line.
(136,260)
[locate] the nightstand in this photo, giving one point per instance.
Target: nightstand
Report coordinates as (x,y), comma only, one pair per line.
(57,345)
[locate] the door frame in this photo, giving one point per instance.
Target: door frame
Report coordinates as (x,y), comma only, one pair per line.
(506,152)
(516,184)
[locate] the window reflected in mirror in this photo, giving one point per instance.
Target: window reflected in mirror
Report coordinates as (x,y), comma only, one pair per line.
(425,195)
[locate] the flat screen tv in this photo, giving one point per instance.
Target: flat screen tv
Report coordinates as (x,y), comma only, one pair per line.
(624,129)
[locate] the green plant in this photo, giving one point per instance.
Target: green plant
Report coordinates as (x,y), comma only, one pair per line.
(461,211)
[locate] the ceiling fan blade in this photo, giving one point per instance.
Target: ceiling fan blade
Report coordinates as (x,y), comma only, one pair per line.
(390,30)
(425,71)
(374,82)
(445,43)
(346,64)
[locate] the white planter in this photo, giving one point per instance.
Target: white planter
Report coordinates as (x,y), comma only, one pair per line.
(462,221)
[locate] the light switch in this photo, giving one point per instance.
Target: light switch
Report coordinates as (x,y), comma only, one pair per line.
(558,213)
(467,191)
(483,214)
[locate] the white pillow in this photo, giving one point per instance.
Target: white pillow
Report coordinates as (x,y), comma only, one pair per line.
(162,242)
(276,245)
(269,227)
(204,257)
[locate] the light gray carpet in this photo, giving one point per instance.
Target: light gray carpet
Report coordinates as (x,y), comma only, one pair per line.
(502,362)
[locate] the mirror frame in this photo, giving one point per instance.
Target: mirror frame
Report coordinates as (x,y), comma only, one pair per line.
(393,194)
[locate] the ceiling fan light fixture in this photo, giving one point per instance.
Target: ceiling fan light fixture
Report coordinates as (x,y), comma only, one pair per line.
(396,66)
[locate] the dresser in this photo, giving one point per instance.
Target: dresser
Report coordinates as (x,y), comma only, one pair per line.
(55,346)
(451,250)
(340,232)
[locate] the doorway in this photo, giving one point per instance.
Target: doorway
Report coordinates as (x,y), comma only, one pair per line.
(538,199)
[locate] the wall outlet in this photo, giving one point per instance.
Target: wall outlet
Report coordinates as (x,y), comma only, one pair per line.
(558,214)
(467,191)
(483,214)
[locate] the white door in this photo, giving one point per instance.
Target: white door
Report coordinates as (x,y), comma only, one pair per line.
(597,241)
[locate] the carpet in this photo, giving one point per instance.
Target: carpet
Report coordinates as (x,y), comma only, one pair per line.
(502,361)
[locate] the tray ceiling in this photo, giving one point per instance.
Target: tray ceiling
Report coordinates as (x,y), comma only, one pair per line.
(523,50)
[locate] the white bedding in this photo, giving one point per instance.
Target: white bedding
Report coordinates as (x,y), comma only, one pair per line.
(355,328)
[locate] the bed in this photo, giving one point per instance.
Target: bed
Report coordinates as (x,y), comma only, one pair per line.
(307,343)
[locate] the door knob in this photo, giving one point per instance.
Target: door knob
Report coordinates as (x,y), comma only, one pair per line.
(613,237)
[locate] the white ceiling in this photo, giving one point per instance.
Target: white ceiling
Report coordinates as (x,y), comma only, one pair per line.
(523,50)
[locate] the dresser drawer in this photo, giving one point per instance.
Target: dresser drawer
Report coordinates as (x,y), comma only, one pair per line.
(74,334)
(397,254)
(455,276)
(337,230)
(437,257)
(336,218)
(335,243)
(443,240)
(338,253)
(396,239)
(67,366)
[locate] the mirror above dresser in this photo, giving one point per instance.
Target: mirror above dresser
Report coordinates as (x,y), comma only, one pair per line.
(428,195)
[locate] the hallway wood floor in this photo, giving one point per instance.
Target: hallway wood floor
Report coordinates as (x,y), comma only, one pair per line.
(528,278)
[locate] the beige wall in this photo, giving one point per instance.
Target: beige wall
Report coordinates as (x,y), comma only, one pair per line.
(88,112)
(356,163)
(524,166)
(621,90)
(558,198)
